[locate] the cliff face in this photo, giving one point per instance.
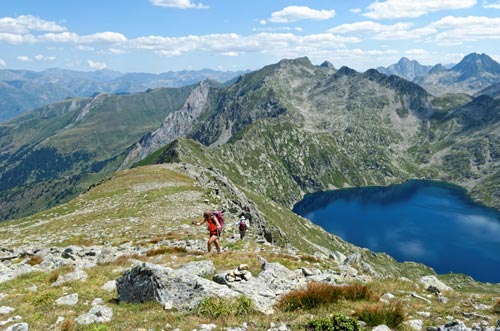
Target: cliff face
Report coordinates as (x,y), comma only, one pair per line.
(176,124)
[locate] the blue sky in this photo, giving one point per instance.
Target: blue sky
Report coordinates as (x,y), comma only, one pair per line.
(162,35)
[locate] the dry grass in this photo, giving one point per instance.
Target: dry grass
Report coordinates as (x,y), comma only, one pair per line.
(391,315)
(165,250)
(34,260)
(68,325)
(496,307)
(321,294)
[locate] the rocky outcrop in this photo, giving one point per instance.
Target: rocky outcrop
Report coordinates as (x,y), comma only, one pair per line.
(175,125)
(184,288)
(178,289)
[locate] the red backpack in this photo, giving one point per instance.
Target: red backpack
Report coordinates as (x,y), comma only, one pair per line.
(220,218)
(243,225)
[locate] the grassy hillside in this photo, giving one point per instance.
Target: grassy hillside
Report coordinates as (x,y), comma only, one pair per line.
(55,152)
(149,210)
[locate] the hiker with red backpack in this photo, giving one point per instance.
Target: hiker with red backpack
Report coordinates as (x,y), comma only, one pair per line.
(242,226)
(214,229)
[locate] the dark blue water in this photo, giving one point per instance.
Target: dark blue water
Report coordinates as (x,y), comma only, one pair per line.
(422,221)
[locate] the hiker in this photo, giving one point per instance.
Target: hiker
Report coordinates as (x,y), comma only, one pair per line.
(214,227)
(242,226)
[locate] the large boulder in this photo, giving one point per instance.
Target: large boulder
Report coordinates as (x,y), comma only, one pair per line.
(178,289)
(431,280)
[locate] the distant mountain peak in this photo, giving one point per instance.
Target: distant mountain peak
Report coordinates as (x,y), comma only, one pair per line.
(406,68)
(476,64)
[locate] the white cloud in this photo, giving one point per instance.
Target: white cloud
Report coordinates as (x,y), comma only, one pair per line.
(41,57)
(299,13)
(26,23)
(97,38)
(264,42)
(232,54)
(390,9)
(263,22)
(13,38)
(24,58)
(416,52)
(398,31)
(368,26)
(494,5)
(182,4)
(355,10)
(96,65)
(2,63)
(456,30)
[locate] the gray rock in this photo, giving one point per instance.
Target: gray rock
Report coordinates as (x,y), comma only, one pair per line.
(68,300)
(382,327)
(456,325)
(199,268)
(110,286)
(183,290)
(388,296)
(416,325)
(442,299)
(18,327)
(10,320)
(4,310)
(77,275)
(96,314)
(353,259)
(431,280)
(337,256)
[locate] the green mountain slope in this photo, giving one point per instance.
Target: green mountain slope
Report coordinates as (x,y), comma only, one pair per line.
(51,154)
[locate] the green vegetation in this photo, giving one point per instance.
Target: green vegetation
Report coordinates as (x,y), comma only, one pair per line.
(337,322)
(220,307)
(391,315)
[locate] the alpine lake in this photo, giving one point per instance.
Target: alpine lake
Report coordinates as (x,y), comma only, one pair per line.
(431,222)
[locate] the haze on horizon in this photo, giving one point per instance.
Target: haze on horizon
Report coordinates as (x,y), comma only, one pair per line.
(164,35)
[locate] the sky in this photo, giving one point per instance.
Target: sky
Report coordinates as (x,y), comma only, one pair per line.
(171,35)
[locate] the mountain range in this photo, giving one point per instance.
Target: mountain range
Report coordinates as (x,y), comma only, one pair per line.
(22,90)
(285,130)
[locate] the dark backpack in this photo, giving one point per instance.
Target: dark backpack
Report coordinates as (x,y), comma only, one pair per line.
(243,225)
(220,218)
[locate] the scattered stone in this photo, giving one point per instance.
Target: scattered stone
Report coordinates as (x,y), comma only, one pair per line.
(482,307)
(433,289)
(416,325)
(307,272)
(474,315)
(415,295)
(442,299)
(206,327)
(18,327)
(382,327)
(243,267)
(424,314)
(4,310)
(431,280)
(68,300)
(388,296)
(97,314)
(97,301)
(10,320)
(451,326)
(110,286)
(77,275)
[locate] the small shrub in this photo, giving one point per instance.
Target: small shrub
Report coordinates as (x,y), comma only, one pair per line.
(391,315)
(53,276)
(219,307)
(496,307)
(244,306)
(68,325)
(34,260)
(337,322)
(214,307)
(318,294)
(43,299)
